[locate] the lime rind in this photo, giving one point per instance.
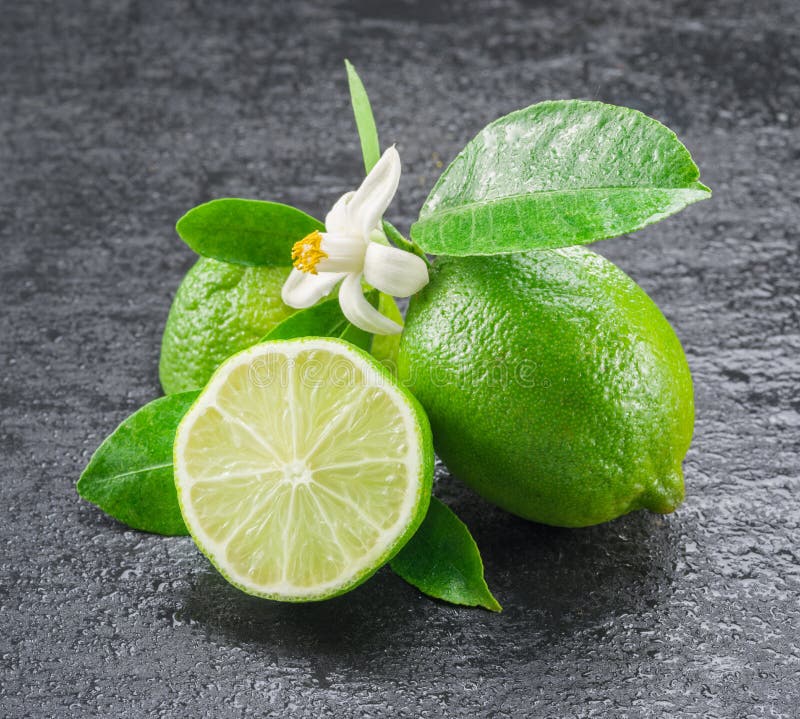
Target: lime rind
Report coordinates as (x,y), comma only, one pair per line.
(384,543)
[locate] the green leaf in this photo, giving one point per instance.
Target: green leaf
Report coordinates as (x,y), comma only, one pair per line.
(555,174)
(396,237)
(130,474)
(385,348)
(246,232)
(325,319)
(365,122)
(443,561)
(356,336)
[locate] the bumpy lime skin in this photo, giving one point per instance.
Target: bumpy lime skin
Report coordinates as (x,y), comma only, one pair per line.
(554,385)
(218,310)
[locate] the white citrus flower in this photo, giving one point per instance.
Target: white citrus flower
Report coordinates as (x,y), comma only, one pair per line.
(354,245)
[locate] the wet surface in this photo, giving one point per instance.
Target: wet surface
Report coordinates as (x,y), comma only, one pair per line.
(117,117)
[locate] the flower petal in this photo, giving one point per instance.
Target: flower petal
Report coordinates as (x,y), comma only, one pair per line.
(360,312)
(336,219)
(302,289)
(344,253)
(394,271)
(367,205)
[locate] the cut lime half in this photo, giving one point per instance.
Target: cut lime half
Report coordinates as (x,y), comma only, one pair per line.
(302,468)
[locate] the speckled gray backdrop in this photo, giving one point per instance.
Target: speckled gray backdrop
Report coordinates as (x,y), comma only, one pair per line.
(115,117)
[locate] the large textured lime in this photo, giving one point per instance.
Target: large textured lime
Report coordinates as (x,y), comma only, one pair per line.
(219,309)
(554,385)
(302,468)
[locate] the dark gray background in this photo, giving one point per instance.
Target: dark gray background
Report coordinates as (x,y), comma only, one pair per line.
(116,117)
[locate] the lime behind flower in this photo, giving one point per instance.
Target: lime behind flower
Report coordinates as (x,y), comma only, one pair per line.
(554,385)
(221,309)
(218,310)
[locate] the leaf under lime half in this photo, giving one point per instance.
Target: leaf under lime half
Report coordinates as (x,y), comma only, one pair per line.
(443,561)
(130,474)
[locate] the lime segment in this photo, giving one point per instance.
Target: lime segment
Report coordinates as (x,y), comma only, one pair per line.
(302,468)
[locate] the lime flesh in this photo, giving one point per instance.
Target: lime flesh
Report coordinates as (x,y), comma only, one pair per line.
(302,468)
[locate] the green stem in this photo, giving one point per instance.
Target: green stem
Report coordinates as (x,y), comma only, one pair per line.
(408,245)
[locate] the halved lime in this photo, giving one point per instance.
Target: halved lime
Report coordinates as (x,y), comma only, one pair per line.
(302,468)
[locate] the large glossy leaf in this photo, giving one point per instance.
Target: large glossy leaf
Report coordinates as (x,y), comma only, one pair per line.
(246,232)
(557,174)
(130,474)
(443,561)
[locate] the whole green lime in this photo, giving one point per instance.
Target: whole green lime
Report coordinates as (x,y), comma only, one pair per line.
(219,309)
(554,385)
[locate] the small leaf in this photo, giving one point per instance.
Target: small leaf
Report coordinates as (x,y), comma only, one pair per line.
(365,122)
(356,336)
(555,174)
(246,232)
(130,474)
(396,237)
(386,347)
(443,561)
(325,319)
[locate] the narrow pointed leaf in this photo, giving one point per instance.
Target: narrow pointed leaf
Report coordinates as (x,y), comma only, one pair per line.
(556,174)
(246,232)
(443,561)
(130,474)
(365,122)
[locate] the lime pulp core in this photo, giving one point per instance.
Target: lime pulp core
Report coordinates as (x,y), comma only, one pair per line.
(302,468)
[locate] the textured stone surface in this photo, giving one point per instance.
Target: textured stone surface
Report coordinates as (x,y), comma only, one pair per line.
(115,117)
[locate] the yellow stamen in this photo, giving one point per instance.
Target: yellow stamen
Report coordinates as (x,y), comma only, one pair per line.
(307,253)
